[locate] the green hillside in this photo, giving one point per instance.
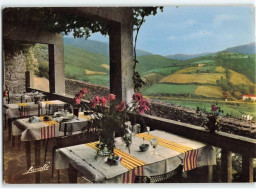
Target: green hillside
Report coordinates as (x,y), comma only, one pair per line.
(150,62)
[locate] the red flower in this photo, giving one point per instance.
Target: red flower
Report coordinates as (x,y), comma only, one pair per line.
(142,109)
(143,105)
(111,97)
(137,96)
(79,95)
(103,101)
(121,107)
(143,101)
(84,91)
(214,108)
(95,101)
(77,100)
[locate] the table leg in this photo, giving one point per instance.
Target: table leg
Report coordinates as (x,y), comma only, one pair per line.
(37,159)
(72,174)
(10,128)
(28,154)
(13,141)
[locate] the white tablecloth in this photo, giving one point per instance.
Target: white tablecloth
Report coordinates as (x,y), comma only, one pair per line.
(82,157)
(12,110)
(40,130)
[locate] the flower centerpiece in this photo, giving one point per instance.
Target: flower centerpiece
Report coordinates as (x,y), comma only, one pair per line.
(112,119)
(213,123)
(77,100)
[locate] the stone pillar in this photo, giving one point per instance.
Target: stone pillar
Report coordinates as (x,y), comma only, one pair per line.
(56,66)
(29,79)
(121,57)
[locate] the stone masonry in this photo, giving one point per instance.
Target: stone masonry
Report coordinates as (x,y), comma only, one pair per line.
(15,68)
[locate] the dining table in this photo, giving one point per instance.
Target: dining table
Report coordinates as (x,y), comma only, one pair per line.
(33,133)
(13,111)
(171,152)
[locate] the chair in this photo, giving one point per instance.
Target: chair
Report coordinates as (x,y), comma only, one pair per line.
(51,108)
(163,178)
(24,111)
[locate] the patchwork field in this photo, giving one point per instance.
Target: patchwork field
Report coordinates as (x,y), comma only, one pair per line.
(206,78)
(237,78)
(169,89)
(209,91)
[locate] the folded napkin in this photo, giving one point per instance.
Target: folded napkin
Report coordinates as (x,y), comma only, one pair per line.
(34,119)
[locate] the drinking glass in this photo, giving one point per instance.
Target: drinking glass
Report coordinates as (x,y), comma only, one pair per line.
(153,143)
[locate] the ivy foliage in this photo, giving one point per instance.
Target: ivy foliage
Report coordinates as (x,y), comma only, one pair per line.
(56,20)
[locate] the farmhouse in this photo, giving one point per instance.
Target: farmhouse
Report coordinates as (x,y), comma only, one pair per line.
(201,65)
(253,97)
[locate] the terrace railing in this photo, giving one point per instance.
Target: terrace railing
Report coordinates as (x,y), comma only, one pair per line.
(229,143)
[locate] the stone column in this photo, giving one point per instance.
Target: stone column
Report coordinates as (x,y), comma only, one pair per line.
(121,57)
(29,79)
(56,66)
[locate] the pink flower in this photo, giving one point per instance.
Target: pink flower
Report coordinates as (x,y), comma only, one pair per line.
(77,100)
(143,101)
(214,108)
(103,101)
(95,101)
(143,105)
(111,97)
(142,109)
(84,91)
(121,107)
(79,95)
(137,96)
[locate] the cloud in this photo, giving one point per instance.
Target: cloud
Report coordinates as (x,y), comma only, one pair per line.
(172,38)
(222,18)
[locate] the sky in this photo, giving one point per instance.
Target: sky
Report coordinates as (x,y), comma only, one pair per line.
(193,29)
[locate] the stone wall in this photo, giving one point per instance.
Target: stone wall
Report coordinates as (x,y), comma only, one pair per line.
(15,68)
(171,111)
(74,86)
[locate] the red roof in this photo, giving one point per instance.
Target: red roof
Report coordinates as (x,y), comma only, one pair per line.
(250,95)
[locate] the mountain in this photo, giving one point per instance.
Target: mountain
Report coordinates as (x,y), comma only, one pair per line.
(97,47)
(186,56)
(245,49)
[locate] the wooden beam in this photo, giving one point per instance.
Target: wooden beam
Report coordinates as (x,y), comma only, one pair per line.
(247,168)
(226,166)
(210,173)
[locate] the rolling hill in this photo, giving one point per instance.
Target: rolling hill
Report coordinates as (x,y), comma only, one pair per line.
(97,47)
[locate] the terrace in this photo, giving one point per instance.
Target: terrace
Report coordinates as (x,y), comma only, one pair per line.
(120,25)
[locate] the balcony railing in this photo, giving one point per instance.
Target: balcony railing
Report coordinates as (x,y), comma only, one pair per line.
(229,143)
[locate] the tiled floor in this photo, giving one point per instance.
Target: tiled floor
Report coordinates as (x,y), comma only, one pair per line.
(15,165)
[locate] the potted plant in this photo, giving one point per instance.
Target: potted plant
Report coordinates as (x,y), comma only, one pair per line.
(213,123)
(112,119)
(77,101)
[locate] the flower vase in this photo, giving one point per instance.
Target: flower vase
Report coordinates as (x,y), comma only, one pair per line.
(106,144)
(76,110)
(212,124)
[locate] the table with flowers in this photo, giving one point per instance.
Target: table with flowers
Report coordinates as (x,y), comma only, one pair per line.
(37,131)
(171,152)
